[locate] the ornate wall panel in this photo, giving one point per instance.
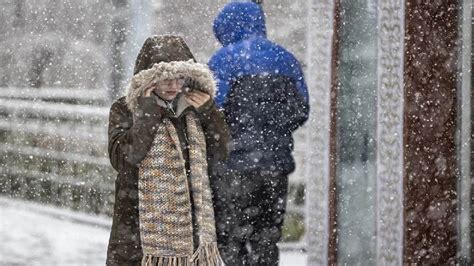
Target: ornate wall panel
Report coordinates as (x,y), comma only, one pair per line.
(389,161)
(317,169)
(464,137)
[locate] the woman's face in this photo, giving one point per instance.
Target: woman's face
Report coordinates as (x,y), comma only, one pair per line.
(168,89)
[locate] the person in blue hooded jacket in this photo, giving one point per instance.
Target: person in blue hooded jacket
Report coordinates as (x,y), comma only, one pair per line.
(262,90)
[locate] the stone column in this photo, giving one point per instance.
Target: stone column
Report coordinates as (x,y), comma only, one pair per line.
(430,171)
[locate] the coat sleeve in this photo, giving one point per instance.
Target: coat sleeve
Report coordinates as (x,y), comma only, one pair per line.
(286,107)
(131,135)
(296,110)
(216,132)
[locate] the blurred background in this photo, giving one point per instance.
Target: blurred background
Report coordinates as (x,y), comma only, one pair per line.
(63,62)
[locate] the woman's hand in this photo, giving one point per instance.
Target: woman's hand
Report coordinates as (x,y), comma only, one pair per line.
(149,89)
(197,98)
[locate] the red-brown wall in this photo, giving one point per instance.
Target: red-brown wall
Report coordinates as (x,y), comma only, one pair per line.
(429,131)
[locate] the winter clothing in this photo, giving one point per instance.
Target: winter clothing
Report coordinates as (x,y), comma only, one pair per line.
(261,82)
(163,209)
(264,96)
(257,217)
(240,28)
(164,48)
(262,112)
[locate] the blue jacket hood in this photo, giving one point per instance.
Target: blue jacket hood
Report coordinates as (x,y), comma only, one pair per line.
(239,21)
(240,28)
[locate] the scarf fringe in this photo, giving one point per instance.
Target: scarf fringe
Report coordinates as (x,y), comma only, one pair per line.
(206,254)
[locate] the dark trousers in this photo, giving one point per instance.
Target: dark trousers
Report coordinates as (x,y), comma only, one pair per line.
(249,212)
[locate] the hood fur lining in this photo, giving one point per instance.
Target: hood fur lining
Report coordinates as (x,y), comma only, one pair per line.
(200,73)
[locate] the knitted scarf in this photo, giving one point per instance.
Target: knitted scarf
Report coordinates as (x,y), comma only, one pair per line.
(166,227)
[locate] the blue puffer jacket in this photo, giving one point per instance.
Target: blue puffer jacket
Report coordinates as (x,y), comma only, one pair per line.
(261,88)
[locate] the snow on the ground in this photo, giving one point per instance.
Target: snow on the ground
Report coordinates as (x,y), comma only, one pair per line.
(292,258)
(35,234)
(38,235)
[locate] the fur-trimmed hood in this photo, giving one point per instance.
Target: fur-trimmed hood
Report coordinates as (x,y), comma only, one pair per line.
(198,73)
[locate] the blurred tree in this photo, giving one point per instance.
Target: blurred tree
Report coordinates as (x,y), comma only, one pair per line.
(119,33)
(41,59)
(55,43)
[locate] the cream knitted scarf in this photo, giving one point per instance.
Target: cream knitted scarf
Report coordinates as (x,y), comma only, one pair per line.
(165,217)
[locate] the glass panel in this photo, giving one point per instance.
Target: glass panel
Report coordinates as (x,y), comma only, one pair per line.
(355,172)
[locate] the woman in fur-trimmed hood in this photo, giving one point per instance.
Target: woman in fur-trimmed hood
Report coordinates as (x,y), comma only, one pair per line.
(165,136)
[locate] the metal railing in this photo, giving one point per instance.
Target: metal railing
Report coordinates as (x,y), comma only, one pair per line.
(53,145)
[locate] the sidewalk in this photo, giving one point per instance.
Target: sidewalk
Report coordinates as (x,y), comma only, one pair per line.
(31,233)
